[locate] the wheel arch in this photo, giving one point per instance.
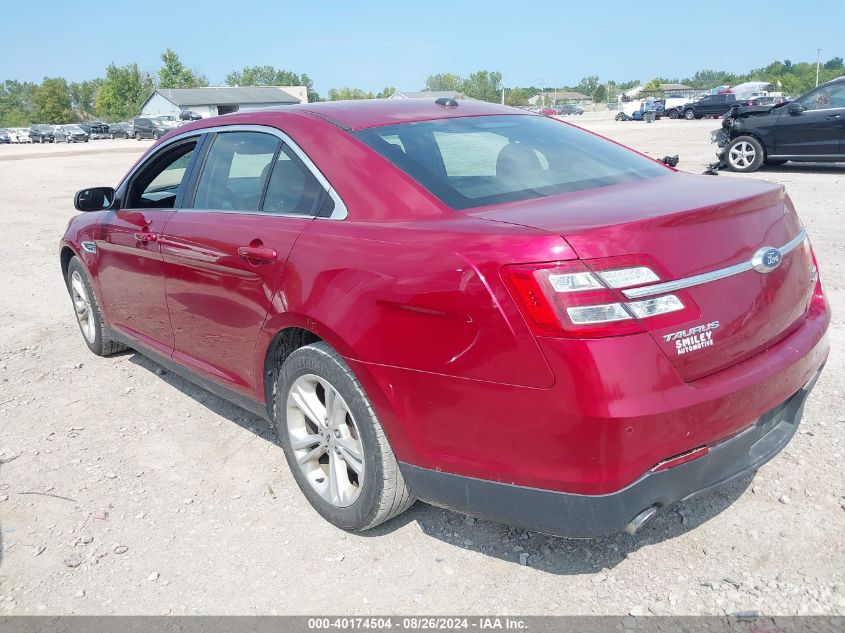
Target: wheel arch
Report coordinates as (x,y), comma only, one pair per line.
(298,331)
(65,255)
(755,135)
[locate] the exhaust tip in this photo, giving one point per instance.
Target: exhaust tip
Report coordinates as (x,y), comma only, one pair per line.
(641,519)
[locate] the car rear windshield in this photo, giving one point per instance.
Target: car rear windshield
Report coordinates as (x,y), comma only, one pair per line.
(470,162)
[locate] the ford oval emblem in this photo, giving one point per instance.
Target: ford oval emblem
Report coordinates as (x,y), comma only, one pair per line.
(766,259)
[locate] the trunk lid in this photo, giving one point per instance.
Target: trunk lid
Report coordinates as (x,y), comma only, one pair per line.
(690,225)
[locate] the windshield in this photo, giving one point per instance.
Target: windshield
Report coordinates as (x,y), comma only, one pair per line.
(73,128)
(475,161)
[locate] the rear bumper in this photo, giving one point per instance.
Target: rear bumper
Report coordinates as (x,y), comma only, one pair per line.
(585,516)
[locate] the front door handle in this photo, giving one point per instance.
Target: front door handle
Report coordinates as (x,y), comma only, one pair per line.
(260,254)
(834,117)
(146,236)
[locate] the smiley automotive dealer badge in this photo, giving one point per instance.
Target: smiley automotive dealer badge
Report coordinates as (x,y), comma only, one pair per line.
(693,339)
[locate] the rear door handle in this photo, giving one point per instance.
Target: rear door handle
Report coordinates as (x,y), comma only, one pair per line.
(834,116)
(260,254)
(145,236)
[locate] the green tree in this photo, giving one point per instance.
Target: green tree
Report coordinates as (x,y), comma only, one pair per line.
(518,96)
(653,87)
(52,102)
(483,85)
(587,86)
(346,93)
(386,92)
(174,74)
(835,63)
(83,96)
(16,103)
(444,81)
(271,76)
(123,92)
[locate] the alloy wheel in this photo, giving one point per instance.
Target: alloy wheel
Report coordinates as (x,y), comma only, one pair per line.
(742,155)
(325,440)
(82,305)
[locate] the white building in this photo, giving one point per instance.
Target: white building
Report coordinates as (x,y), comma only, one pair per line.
(427,94)
(220,100)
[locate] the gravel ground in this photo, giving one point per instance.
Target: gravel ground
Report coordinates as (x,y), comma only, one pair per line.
(124,489)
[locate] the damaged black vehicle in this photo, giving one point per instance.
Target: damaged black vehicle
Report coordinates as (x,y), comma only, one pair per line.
(809,129)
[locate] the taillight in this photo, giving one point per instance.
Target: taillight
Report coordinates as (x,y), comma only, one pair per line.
(818,301)
(583,300)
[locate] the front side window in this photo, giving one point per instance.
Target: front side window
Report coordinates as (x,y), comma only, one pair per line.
(235,171)
(825,97)
(475,161)
(158,184)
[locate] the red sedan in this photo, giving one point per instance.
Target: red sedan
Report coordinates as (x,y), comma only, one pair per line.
(463,303)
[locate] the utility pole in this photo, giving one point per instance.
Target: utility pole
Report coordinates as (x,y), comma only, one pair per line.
(503,93)
(818,59)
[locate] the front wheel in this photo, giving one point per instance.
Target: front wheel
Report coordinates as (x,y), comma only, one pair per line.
(744,154)
(88,314)
(334,443)
(620,117)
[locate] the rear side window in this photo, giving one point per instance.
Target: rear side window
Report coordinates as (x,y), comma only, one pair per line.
(235,171)
(292,188)
(475,161)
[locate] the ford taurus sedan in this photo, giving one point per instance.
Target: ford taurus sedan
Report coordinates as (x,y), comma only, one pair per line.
(462,303)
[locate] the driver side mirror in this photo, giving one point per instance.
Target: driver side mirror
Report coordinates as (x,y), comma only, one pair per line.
(94,199)
(796,108)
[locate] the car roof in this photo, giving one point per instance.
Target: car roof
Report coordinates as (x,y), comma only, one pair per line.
(366,113)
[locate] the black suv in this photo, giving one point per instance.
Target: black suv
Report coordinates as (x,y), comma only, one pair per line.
(709,105)
(810,129)
(145,127)
(41,133)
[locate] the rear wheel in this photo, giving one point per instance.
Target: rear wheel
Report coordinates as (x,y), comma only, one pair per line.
(620,117)
(689,115)
(334,443)
(744,154)
(137,136)
(673,114)
(88,314)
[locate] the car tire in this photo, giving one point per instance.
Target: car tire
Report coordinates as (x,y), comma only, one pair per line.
(112,136)
(620,117)
(673,114)
(324,455)
(137,136)
(689,115)
(89,317)
(744,154)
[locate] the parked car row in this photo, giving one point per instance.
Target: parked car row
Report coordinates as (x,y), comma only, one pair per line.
(14,135)
(559,110)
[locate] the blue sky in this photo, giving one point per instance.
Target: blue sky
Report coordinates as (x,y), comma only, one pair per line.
(371,45)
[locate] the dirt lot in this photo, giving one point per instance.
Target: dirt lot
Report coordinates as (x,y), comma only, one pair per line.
(123,489)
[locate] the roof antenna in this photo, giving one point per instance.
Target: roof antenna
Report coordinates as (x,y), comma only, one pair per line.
(446,102)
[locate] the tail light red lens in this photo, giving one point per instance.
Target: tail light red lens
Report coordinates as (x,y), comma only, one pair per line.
(583,300)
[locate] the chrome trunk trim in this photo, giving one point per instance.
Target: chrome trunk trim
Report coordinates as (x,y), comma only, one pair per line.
(714,275)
